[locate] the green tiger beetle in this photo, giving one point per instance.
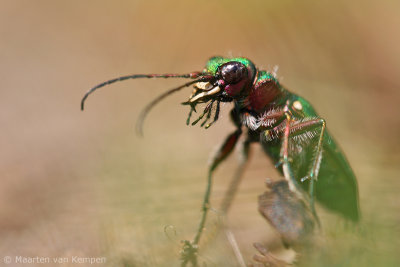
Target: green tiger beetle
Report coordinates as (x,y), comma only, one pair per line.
(288,128)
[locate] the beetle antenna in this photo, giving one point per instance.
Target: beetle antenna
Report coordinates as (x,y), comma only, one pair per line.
(192,75)
(149,106)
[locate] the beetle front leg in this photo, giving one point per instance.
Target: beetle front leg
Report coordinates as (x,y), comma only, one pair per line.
(228,198)
(220,156)
(189,252)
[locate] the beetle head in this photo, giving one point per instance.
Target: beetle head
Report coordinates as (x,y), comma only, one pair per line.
(232,78)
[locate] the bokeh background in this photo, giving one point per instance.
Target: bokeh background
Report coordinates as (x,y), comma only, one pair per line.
(83,183)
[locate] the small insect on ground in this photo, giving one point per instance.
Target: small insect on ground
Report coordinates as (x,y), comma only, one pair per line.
(290,132)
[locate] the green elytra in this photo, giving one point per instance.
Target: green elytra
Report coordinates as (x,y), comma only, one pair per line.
(290,131)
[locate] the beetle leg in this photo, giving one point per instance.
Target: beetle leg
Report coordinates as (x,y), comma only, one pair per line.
(227,200)
(220,156)
(300,128)
(293,130)
(223,152)
(306,126)
(189,251)
(288,131)
(284,155)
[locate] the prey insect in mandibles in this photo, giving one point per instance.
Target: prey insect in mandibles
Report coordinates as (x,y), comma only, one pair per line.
(288,128)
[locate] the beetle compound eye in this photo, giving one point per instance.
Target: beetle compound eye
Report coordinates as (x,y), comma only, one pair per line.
(233,72)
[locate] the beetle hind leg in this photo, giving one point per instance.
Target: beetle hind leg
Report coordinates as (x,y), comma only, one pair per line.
(314,125)
(293,129)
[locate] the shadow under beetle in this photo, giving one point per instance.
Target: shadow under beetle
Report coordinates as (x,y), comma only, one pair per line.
(288,128)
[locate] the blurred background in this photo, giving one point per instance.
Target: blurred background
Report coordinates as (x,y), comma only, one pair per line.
(84,184)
